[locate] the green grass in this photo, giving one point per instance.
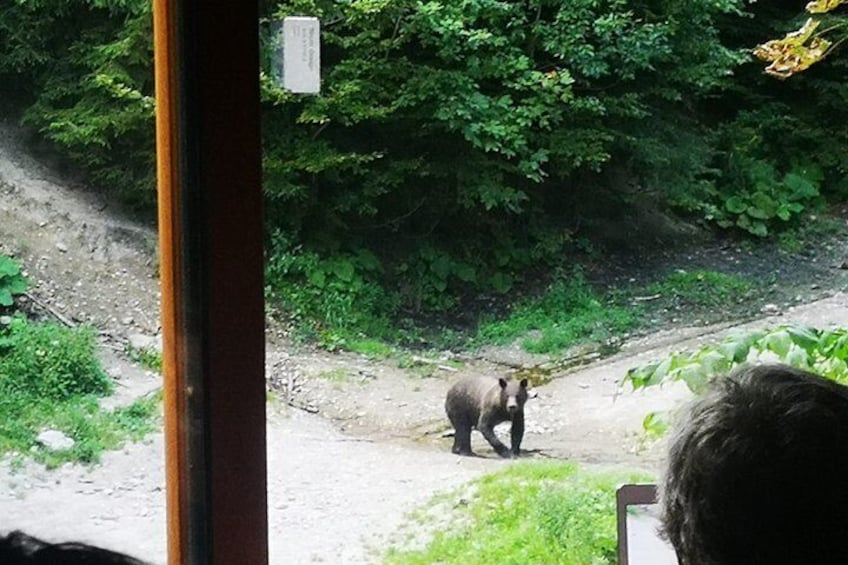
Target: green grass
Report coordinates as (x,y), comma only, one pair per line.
(50,378)
(699,288)
(340,375)
(147,357)
(569,312)
(371,348)
(81,418)
(810,234)
(550,512)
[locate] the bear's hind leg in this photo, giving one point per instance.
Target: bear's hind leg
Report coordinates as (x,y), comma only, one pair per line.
(462,440)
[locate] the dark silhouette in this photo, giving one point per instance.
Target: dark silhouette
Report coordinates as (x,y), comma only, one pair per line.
(483,403)
(758,472)
(18,548)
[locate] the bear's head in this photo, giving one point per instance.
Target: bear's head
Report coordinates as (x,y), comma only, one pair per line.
(513,394)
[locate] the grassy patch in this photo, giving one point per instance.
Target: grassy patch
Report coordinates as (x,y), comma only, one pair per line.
(572,312)
(50,378)
(92,429)
(810,234)
(147,357)
(529,513)
(370,348)
(703,289)
(340,375)
(569,312)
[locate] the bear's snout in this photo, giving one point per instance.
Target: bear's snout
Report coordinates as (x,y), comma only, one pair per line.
(512,405)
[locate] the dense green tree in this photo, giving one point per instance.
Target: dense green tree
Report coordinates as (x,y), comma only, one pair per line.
(457,147)
(459,138)
(84,70)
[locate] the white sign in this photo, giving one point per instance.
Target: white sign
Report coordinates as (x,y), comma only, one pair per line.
(299,55)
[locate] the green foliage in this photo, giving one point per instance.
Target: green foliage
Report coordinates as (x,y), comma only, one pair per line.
(89,64)
(568,312)
(80,418)
(51,378)
(49,361)
(821,351)
(757,198)
(459,149)
(12,281)
(335,297)
(699,288)
(453,140)
(824,352)
(527,513)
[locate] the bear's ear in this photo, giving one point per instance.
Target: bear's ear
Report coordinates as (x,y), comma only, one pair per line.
(502,382)
(523,383)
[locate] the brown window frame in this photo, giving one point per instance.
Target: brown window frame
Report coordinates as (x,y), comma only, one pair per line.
(211,267)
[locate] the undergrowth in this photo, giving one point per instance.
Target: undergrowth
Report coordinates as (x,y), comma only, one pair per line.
(50,378)
(568,312)
(549,512)
(336,310)
(700,288)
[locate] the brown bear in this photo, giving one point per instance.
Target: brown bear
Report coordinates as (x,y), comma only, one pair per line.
(483,403)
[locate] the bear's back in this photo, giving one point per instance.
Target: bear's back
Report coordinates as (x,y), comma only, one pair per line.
(468,395)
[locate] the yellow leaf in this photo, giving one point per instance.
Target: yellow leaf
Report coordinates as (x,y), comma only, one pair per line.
(822,6)
(800,36)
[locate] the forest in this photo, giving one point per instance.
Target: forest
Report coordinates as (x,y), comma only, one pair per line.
(464,153)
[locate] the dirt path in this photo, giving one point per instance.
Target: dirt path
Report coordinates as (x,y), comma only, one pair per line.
(341,480)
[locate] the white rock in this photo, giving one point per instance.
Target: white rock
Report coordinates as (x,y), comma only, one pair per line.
(54,440)
(770,309)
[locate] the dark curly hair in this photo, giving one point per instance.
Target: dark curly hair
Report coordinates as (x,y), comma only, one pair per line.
(18,548)
(758,471)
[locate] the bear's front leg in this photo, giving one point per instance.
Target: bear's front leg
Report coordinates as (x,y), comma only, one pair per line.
(516,433)
(488,432)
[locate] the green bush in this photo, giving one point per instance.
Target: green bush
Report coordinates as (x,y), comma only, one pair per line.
(824,352)
(757,199)
(335,297)
(84,70)
(49,361)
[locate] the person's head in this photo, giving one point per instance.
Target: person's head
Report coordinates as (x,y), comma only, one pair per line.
(18,548)
(758,471)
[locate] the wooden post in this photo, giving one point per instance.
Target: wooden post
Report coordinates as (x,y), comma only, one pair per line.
(211,263)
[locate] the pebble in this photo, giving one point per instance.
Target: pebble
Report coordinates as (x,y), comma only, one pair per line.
(770,309)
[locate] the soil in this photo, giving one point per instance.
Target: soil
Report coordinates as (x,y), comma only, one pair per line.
(353,443)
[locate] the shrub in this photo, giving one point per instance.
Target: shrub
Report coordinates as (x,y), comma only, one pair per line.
(49,361)
(335,296)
